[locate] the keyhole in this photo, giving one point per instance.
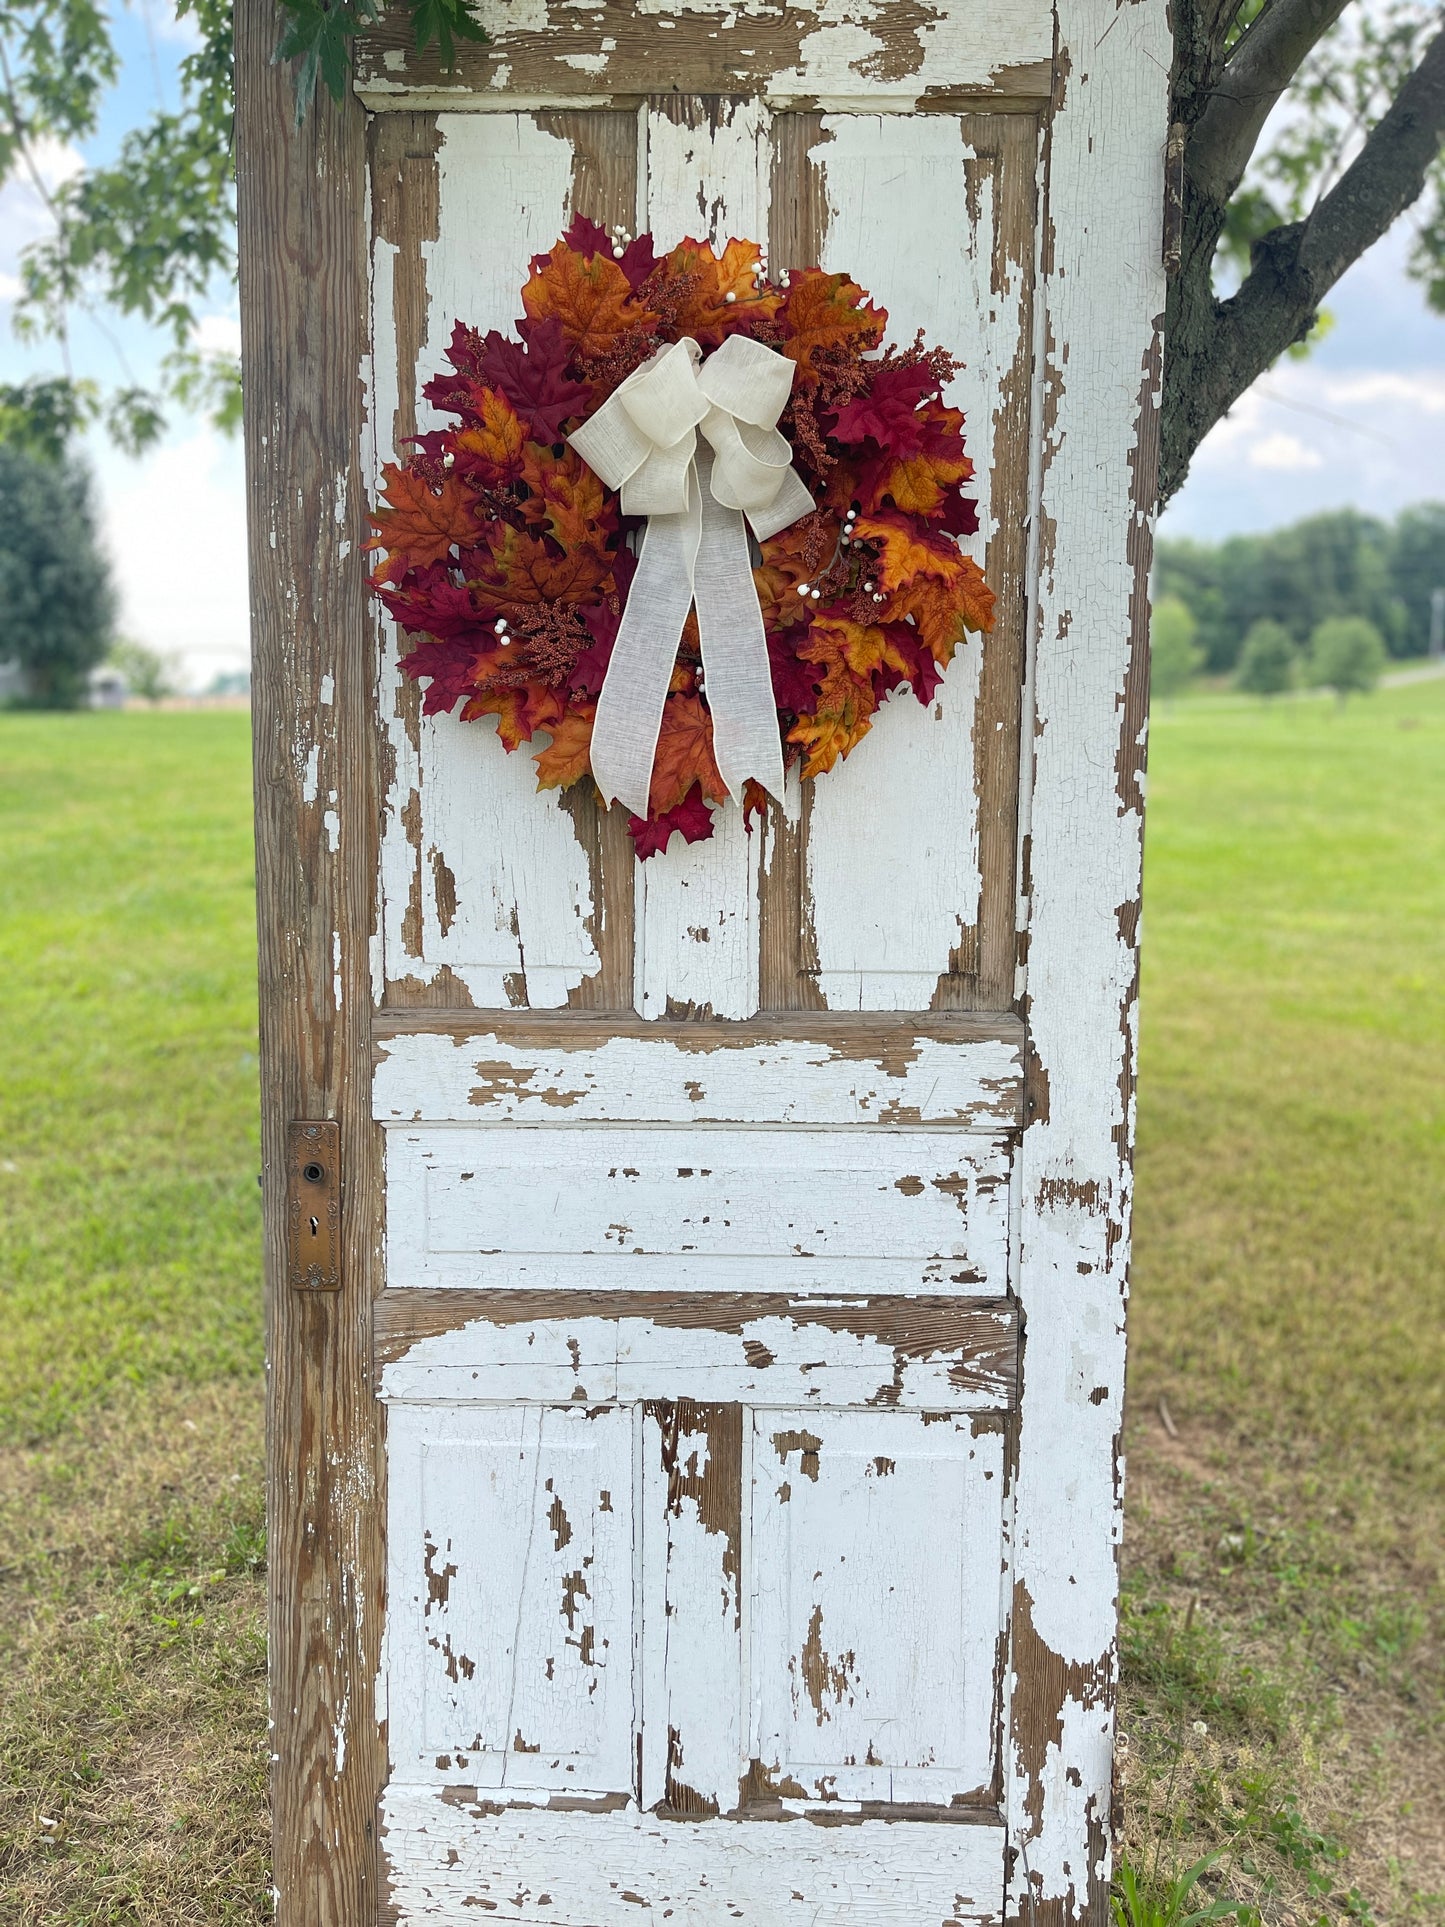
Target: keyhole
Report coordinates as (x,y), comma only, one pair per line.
(315,1226)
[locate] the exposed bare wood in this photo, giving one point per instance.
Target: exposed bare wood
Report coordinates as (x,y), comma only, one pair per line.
(857,1035)
(905,53)
(983,975)
(303,299)
(978,1329)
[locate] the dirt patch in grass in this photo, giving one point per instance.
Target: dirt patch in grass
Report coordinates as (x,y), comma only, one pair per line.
(132,1666)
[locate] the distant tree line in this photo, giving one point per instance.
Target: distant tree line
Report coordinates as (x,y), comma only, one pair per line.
(1343,565)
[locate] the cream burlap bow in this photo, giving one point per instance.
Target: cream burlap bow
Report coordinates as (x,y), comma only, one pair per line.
(643,441)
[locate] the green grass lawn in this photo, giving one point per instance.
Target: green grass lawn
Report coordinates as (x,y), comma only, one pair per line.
(128,1113)
(1283,1551)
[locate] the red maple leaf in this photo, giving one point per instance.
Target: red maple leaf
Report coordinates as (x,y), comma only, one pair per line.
(531,373)
(692,819)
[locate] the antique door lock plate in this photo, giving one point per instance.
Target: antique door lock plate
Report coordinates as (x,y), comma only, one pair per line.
(313,1205)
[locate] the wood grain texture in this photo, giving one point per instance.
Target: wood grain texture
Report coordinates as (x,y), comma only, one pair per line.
(908,55)
(304,330)
(457,1857)
(862,1074)
(764,1348)
(1003,154)
(1102,289)
(787,945)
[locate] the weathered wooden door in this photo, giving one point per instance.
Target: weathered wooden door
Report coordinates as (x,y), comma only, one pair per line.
(695,1474)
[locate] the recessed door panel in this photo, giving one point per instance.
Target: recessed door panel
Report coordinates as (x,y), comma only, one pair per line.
(512,1596)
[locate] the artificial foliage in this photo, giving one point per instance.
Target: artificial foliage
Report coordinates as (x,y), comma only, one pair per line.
(507,561)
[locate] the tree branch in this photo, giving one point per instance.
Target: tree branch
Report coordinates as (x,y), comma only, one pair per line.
(1215,349)
(1257,72)
(1386,176)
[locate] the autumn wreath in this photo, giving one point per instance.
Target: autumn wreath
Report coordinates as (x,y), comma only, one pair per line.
(512,561)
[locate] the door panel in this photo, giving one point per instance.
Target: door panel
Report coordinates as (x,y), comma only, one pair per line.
(876,1543)
(456,1859)
(511,1582)
(572,1208)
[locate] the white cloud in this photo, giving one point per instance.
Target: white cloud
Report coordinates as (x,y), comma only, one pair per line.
(217,334)
(175,525)
(24,217)
(1284,452)
(1418,389)
(9,287)
(161,19)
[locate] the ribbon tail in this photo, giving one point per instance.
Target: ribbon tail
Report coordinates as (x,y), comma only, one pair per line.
(629,708)
(736,670)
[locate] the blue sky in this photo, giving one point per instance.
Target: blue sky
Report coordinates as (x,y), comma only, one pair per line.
(1361,422)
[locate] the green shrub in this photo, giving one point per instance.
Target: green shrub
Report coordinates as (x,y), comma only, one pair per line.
(1174,654)
(55,586)
(1346,653)
(1267,660)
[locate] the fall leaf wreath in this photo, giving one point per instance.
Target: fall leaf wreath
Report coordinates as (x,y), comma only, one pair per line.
(508,561)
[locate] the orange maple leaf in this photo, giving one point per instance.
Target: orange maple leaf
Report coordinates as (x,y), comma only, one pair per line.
(684,756)
(420,524)
(526,570)
(518,711)
(861,647)
(777,578)
(568,497)
(567,758)
(712,295)
(825,310)
(497,442)
(917,484)
(942,612)
(590,296)
(841,720)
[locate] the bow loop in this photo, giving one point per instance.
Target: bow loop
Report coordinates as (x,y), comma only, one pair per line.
(643,441)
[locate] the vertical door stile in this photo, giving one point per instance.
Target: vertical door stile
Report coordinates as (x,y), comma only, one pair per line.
(698,912)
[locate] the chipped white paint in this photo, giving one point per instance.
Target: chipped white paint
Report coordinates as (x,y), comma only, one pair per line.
(697,903)
(836,50)
(893,867)
(875,1547)
(769,1362)
(480,875)
(510,1633)
(1103,293)
(902,1079)
(455,1860)
(784,1532)
(581,1208)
